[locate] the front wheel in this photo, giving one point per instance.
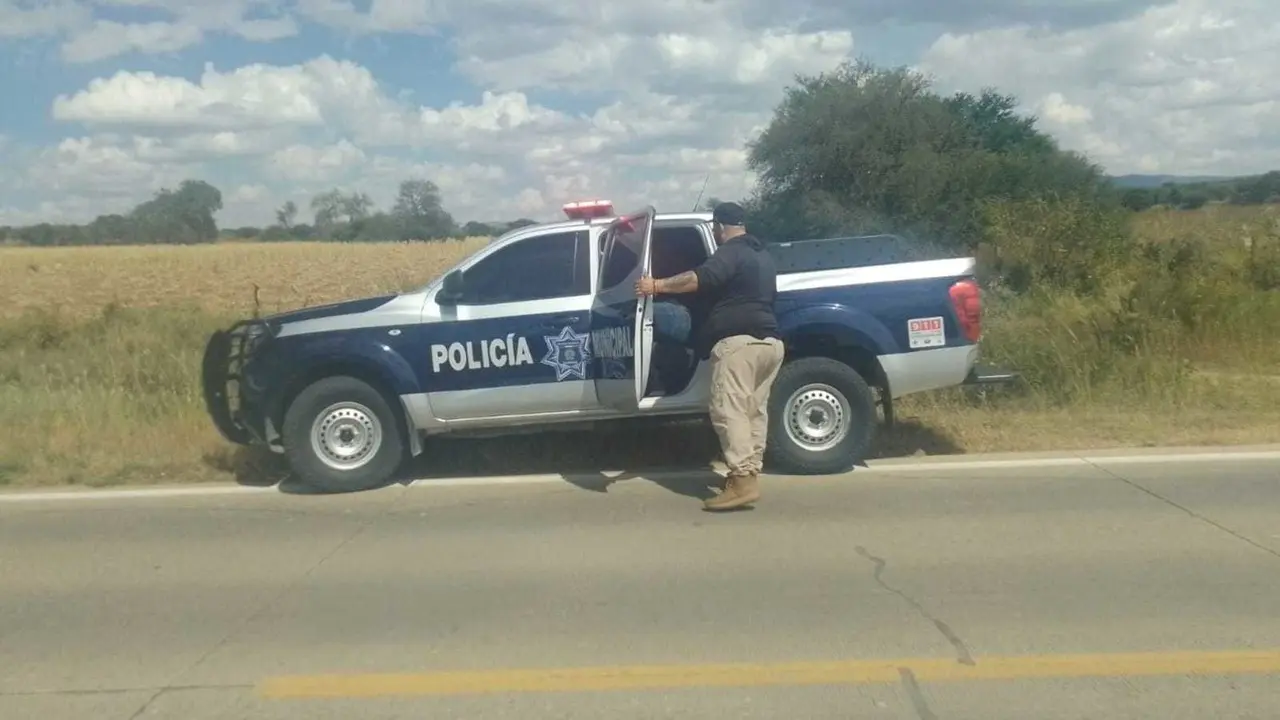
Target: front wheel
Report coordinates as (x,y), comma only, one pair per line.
(822,417)
(341,435)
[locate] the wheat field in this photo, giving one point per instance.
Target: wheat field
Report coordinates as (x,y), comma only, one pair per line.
(222,278)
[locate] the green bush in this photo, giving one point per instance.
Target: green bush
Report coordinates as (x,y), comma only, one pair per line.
(1089,312)
(1071,244)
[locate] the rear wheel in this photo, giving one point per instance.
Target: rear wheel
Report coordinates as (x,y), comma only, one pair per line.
(822,417)
(341,435)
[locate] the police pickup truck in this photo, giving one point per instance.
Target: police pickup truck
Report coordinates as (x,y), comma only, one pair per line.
(542,327)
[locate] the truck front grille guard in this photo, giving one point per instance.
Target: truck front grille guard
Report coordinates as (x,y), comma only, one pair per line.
(225,355)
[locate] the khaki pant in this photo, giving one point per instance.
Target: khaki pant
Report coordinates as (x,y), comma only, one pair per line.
(742,371)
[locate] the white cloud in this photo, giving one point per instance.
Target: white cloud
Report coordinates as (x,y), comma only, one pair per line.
(1056,110)
(669,92)
(468,189)
(304,163)
(698,63)
(401,14)
(21,20)
(251,200)
(102,169)
(107,39)
(251,96)
(248,193)
(87,39)
(1187,87)
(266,29)
(203,146)
(335,13)
(321,93)
(68,209)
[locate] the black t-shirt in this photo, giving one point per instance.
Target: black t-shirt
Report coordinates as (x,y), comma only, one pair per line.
(736,290)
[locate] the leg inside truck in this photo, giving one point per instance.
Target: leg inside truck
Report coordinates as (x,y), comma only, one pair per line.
(675,250)
(673,359)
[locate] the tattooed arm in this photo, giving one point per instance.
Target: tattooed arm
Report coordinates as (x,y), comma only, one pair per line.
(685,282)
(710,275)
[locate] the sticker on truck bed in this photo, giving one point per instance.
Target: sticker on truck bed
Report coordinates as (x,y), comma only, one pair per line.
(926,332)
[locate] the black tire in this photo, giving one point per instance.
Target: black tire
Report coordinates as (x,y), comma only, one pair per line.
(380,463)
(837,382)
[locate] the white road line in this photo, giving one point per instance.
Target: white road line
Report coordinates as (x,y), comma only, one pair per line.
(941,464)
(139,493)
(1077,460)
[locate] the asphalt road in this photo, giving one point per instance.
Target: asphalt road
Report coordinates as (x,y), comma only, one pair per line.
(1045,589)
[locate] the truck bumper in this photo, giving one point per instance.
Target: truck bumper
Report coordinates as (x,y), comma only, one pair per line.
(225,355)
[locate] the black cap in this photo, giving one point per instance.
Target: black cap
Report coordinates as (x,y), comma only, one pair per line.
(729,213)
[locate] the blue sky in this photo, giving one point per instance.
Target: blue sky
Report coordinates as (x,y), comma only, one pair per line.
(514,107)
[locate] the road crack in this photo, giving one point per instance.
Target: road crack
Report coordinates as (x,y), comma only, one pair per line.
(73,692)
(914,692)
(264,607)
(963,656)
(1195,515)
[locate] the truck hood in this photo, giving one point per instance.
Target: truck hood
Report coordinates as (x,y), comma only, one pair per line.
(347,307)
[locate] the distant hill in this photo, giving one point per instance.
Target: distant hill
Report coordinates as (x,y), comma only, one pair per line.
(1155,181)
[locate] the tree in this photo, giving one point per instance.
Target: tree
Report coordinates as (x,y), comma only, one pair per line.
(335,211)
(475,228)
(1257,190)
(326,208)
(991,118)
(356,206)
(179,217)
(864,150)
(286,215)
(110,230)
(420,212)
(1138,199)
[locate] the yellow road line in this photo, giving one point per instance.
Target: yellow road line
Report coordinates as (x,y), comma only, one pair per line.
(841,672)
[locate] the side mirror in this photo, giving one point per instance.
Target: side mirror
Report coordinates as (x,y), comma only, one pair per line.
(450,290)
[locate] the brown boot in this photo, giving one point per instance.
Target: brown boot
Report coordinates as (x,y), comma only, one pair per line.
(739,490)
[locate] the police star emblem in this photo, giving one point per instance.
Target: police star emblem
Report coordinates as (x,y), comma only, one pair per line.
(568,353)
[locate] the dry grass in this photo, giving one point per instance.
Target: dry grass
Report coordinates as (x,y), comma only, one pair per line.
(1225,226)
(220,279)
(100,348)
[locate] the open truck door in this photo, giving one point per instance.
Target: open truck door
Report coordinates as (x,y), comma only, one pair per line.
(621,322)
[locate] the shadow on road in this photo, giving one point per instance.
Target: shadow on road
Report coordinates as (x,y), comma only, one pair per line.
(697,483)
(579,456)
(258,467)
(909,438)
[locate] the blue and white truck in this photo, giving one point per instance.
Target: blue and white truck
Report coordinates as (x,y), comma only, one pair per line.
(542,329)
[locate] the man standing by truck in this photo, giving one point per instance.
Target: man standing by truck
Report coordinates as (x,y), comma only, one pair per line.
(739,333)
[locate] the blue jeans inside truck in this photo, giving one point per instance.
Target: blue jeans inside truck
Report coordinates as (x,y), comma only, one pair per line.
(672,356)
(671,322)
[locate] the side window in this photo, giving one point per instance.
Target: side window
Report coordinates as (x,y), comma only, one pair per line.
(622,252)
(677,249)
(618,263)
(542,267)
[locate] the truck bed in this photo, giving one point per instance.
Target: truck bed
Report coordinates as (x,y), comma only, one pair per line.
(852,251)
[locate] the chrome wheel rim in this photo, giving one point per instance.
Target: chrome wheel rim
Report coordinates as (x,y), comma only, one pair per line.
(817,417)
(346,436)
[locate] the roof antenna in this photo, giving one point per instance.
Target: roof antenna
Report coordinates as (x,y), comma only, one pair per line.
(704,189)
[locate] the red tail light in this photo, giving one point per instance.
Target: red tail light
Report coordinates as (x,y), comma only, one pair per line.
(967,299)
